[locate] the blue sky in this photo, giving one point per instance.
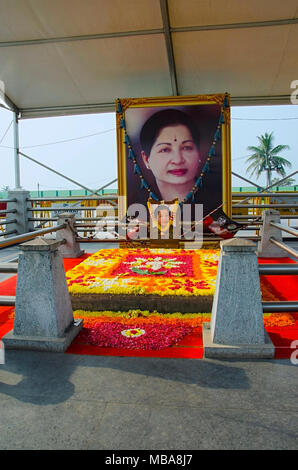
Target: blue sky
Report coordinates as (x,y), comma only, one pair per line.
(90,154)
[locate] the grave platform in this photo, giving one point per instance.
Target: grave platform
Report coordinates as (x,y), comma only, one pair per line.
(167,280)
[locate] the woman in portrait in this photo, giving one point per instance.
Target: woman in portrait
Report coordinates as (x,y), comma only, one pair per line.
(170,150)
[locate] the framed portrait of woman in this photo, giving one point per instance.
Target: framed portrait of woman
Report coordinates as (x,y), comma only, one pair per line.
(174,148)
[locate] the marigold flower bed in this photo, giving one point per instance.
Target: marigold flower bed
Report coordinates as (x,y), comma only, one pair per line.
(146,271)
(164,279)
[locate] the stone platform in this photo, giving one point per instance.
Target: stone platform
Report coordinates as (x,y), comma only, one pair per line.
(238,351)
(122,302)
(166,280)
(43,343)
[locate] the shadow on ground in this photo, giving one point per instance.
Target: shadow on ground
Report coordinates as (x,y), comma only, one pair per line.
(47,377)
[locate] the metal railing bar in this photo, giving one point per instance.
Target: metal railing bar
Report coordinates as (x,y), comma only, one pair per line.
(98,240)
(96,193)
(248,237)
(284,247)
(247,220)
(96,218)
(30,235)
(277,269)
(42,219)
(54,219)
(9,232)
(118,240)
(247,217)
(85,225)
(268,307)
(281,306)
(69,209)
(122,239)
(8,200)
(252,217)
(285,229)
(111,222)
(90,228)
(7,222)
(74,198)
(7,300)
(49,229)
(107,224)
(262,194)
(267,206)
(258,186)
(10,211)
(8,267)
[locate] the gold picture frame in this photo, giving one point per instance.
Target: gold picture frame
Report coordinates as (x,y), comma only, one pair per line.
(127,105)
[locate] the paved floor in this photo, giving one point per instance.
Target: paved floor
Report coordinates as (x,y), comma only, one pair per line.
(63,401)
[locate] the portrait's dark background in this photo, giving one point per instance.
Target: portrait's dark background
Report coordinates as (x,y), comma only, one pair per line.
(206,118)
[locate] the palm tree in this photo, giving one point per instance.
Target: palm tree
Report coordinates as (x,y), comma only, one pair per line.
(287,182)
(266,157)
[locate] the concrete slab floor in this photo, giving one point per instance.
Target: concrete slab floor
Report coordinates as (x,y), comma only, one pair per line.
(56,401)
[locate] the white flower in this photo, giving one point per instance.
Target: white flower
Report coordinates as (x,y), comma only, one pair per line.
(98,262)
(107,284)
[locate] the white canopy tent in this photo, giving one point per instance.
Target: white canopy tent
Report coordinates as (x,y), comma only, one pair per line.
(61,57)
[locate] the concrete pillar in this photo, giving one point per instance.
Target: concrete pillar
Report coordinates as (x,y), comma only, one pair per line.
(22,224)
(266,249)
(43,312)
(70,249)
(236,328)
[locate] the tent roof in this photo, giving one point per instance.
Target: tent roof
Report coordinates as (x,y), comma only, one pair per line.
(71,56)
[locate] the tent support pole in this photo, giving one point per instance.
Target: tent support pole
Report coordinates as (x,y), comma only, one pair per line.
(16,150)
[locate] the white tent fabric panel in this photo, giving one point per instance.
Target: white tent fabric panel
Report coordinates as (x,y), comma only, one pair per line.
(215,12)
(240,60)
(288,66)
(35,19)
(84,72)
(72,56)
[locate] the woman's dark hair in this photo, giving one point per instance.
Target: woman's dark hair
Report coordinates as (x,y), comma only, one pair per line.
(162,119)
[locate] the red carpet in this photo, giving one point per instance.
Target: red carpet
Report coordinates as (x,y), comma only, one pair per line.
(283,288)
(191,346)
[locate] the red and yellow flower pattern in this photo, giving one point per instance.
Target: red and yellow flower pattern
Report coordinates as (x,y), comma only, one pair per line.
(146,271)
(149,330)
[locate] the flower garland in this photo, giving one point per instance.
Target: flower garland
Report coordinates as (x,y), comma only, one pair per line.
(144,336)
(206,168)
(150,330)
(133,317)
